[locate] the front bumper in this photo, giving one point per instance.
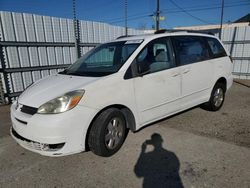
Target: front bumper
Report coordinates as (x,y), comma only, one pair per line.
(52,134)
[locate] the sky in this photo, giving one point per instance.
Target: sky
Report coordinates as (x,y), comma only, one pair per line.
(140,12)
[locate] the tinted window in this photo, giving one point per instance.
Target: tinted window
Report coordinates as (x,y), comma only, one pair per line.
(156,56)
(190,49)
(216,48)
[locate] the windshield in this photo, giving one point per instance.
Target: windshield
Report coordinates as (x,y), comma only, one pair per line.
(103,60)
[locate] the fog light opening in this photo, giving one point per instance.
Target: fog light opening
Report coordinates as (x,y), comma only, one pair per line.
(52,147)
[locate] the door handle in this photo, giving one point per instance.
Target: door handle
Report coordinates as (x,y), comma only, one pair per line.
(186,71)
(175,74)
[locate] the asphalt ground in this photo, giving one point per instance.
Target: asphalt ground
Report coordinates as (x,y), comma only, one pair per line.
(195,148)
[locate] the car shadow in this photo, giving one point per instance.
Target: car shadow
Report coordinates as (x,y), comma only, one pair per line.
(159,167)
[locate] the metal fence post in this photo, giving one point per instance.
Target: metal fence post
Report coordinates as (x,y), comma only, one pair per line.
(5,75)
(2,99)
(76,31)
(77,38)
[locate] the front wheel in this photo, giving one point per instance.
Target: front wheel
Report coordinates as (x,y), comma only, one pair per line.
(107,133)
(216,99)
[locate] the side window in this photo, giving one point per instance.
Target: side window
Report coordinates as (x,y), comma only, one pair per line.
(190,49)
(156,56)
(216,48)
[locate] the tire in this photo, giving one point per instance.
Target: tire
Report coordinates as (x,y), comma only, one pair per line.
(216,99)
(107,132)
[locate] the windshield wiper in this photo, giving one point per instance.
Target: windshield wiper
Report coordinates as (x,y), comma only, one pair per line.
(63,72)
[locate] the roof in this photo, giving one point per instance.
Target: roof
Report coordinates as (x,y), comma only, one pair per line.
(154,36)
(245,18)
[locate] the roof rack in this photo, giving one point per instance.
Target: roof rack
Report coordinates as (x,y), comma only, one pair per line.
(180,30)
(124,36)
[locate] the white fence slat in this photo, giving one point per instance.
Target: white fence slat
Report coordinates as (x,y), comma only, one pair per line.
(83,31)
(29,27)
(36,75)
(34,61)
(70,26)
(64,30)
(27,78)
(66,55)
(17,82)
(240,34)
(12,54)
(19,26)
(72,54)
(48,29)
(56,29)
(8,26)
(90,31)
(246,51)
(45,73)
(59,55)
(237,65)
(244,66)
(24,56)
(51,56)
(43,56)
(39,28)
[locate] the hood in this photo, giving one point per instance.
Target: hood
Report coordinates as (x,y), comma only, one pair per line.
(51,87)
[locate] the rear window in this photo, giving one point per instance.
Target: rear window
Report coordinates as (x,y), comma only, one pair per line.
(216,48)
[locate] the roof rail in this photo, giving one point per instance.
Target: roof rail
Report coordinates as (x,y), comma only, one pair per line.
(124,36)
(180,30)
(165,31)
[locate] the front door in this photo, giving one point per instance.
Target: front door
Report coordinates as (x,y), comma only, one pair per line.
(157,88)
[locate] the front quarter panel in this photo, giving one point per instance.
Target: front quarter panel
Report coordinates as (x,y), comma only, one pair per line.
(112,90)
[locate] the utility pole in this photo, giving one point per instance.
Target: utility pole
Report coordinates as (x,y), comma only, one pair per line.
(221,18)
(126,17)
(157,18)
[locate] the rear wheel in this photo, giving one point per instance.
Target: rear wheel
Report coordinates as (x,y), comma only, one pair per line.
(107,133)
(216,99)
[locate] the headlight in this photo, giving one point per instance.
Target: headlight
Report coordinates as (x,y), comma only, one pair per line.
(61,104)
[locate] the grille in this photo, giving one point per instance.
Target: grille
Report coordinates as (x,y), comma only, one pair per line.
(36,145)
(28,110)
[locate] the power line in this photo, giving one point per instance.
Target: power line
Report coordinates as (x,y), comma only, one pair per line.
(168,11)
(183,10)
(99,5)
(201,9)
(190,9)
(209,5)
(131,18)
(171,11)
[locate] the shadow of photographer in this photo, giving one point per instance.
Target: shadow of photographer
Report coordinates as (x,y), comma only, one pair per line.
(160,167)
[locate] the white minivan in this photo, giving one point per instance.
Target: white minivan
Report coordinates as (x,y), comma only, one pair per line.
(119,86)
